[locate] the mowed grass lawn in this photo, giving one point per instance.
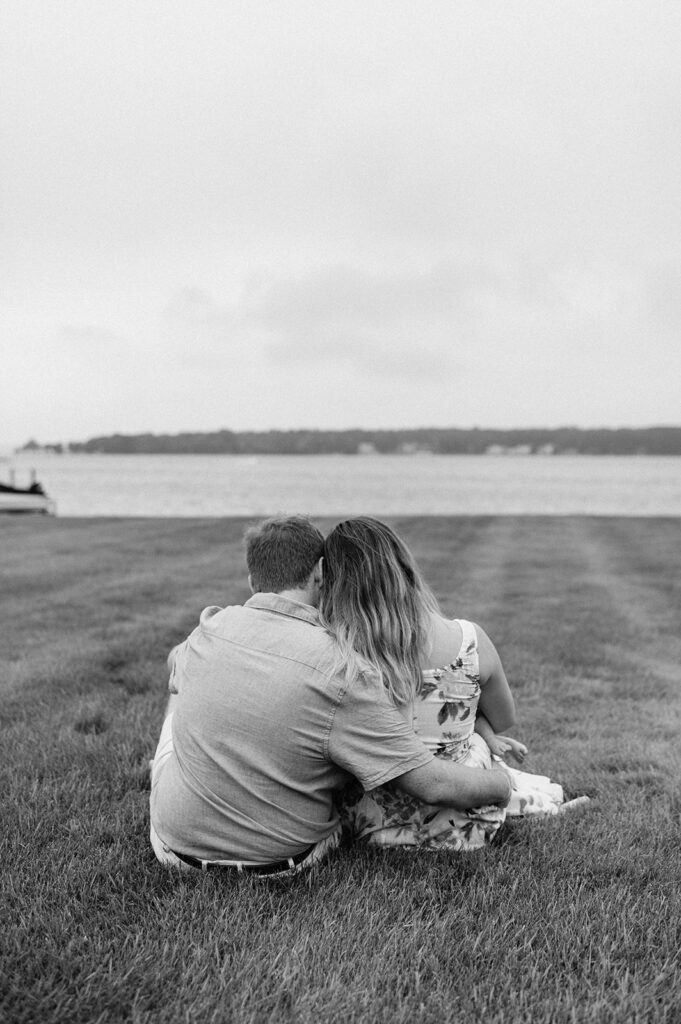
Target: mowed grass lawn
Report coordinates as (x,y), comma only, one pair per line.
(576,918)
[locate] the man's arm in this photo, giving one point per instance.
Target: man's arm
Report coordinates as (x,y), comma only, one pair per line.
(455,785)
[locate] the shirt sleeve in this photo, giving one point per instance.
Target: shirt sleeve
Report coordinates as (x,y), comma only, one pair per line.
(371,738)
(173,681)
(177,660)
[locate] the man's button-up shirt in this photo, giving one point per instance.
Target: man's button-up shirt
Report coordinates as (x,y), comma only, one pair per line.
(265,730)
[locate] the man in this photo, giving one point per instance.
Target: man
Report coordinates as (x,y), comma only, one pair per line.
(262,730)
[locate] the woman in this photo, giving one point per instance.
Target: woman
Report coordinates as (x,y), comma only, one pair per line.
(445,674)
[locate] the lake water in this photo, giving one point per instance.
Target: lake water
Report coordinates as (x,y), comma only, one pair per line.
(225,485)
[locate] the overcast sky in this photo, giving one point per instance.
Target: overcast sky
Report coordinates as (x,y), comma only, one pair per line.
(254,215)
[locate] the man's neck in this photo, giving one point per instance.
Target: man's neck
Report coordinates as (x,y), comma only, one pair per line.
(302,596)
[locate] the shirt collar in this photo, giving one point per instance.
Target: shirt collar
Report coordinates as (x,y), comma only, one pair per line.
(284,606)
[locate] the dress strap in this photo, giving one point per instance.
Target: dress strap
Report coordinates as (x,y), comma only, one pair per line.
(469,637)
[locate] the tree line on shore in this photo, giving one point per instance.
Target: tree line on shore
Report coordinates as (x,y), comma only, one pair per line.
(435,440)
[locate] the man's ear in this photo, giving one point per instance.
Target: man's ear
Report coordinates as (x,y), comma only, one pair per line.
(318,571)
(254,589)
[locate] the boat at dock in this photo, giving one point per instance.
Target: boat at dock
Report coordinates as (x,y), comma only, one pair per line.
(33,498)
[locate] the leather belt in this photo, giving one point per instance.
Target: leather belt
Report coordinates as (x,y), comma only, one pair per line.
(250,869)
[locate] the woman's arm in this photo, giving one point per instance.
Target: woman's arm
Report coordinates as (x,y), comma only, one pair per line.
(496,699)
(484,729)
(499,745)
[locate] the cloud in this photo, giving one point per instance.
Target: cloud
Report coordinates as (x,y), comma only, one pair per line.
(392,324)
(489,327)
(195,330)
(82,339)
(662,294)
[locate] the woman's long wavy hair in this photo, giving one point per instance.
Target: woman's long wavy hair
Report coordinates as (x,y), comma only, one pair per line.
(375,603)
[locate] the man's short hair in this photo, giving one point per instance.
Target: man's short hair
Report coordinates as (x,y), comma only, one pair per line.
(282,552)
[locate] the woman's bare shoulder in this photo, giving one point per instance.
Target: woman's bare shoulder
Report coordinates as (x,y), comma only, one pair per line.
(444,641)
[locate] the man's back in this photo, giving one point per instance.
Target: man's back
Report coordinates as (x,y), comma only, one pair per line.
(250,771)
(264,732)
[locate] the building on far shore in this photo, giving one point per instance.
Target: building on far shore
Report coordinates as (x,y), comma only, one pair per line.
(508,449)
(412,448)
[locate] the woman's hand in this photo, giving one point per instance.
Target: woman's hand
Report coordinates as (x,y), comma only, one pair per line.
(502,746)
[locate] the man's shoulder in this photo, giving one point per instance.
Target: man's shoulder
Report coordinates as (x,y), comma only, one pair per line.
(214,614)
(290,637)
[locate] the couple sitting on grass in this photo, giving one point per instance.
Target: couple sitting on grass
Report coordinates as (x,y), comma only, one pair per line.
(337,697)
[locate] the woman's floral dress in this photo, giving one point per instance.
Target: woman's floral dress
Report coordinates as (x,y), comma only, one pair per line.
(444,718)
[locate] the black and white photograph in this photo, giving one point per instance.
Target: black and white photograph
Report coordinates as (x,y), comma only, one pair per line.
(340,511)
